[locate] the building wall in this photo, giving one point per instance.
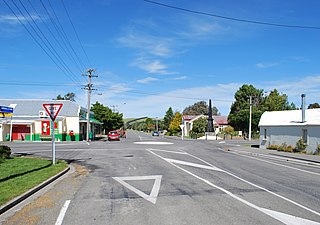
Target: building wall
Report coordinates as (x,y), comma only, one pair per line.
(289,135)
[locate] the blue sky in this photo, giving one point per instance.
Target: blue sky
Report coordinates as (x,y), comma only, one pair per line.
(150,57)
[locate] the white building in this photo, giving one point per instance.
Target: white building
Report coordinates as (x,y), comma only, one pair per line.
(279,127)
(219,123)
(30,122)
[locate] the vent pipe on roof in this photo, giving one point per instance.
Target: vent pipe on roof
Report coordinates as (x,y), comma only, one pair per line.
(303,108)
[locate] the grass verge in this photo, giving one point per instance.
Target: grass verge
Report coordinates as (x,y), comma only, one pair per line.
(18,175)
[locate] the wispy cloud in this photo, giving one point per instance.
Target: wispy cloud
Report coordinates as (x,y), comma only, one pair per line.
(147,80)
(148,44)
(266,65)
(151,66)
(12,20)
(179,78)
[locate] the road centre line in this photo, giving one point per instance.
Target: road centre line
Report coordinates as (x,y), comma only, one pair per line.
(239,178)
(290,167)
(62,212)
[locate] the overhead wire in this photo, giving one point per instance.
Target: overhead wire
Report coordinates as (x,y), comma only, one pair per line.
(56,27)
(35,39)
(66,37)
(76,33)
(26,83)
(232,18)
(68,54)
(45,41)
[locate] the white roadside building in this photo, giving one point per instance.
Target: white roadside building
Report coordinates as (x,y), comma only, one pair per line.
(287,127)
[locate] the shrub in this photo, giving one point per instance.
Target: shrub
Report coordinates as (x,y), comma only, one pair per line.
(282,147)
(273,147)
(5,152)
(300,146)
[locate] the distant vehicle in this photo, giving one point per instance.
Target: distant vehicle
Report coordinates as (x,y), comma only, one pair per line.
(113,136)
(155,133)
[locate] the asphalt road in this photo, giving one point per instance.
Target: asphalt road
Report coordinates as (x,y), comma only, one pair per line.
(159,180)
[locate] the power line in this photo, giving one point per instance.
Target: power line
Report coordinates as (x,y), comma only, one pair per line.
(34,38)
(45,41)
(66,37)
(25,83)
(56,27)
(233,18)
(75,31)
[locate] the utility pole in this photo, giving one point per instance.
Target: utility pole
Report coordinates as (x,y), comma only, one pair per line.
(250,116)
(89,88)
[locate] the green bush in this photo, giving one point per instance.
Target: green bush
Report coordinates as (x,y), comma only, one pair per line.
(300,146)
(285,148)
(5,152)
(273,147)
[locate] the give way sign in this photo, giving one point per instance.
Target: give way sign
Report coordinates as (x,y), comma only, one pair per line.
(52,109)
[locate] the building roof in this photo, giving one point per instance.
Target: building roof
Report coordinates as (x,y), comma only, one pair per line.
(31,107)
(290,118)
(218,120)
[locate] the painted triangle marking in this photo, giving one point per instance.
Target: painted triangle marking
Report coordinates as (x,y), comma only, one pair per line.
(155,189)
(193,164)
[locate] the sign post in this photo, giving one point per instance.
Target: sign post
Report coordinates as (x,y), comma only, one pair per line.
(53,110)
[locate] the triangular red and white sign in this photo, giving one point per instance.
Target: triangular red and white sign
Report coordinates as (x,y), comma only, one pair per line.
(53,109)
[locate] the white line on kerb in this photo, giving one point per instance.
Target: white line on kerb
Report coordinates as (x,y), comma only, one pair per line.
(62,212)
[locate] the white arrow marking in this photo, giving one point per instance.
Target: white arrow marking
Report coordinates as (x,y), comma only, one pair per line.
(192,164)
(155,189)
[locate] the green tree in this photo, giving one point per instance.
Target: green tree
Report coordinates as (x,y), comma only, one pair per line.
(277,102)
(239,112)
(314,106)
(199,108)
(150,124)
(111,120)
(167,118)
(200,125)
(69,96)
(174,126)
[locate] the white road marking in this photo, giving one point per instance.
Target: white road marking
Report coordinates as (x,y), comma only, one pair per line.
(62,212)
(290,167)
(193,164)
(262,188)
(155,189)
(232,195)
(140,138)
(87,143)
(153,143)
(159,150)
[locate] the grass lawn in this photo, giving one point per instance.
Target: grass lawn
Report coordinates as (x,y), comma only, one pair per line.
(18,175)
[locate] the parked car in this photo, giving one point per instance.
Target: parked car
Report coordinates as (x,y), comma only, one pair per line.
(155,133)
(113,136)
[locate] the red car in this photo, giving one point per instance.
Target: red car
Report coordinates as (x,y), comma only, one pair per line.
(113,136)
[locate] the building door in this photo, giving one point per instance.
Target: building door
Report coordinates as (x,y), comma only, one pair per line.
(20,132)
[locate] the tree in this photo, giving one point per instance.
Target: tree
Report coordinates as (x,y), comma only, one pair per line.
(314,106)
(276,102)
(111,120)
(239,112)
(174,126)
(69,96)
(200,125)
(167,118)
(199,108)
